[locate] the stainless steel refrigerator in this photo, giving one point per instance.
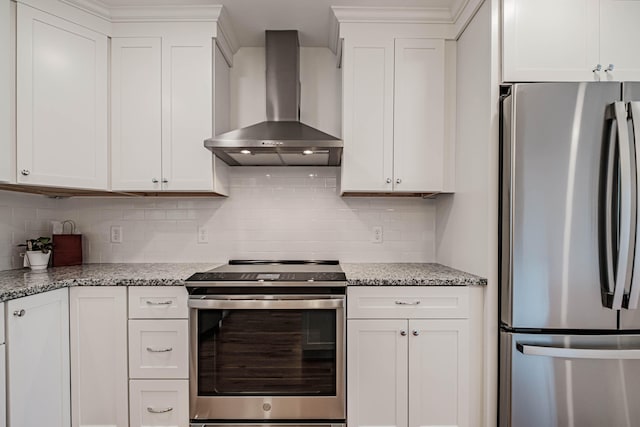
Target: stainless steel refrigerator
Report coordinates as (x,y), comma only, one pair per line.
(569,268)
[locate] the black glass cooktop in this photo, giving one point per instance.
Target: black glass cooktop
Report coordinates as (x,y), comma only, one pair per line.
(273,271)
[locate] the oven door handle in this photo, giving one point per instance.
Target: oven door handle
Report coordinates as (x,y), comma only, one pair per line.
(267,304)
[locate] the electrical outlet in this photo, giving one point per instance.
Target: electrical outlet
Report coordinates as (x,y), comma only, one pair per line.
(376,237)
(203,235)
(116,234)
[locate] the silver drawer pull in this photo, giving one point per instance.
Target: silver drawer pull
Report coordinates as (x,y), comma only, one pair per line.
(159,411)
(407,303)
(159,350)
(159,303)
(19,313)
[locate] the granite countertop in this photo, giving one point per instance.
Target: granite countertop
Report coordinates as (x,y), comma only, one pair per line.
(408,274)
(23,282)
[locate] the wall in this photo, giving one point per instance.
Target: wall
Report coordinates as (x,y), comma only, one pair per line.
(24,216)
(462,217)
(271,213)
(320,89)
(466,222)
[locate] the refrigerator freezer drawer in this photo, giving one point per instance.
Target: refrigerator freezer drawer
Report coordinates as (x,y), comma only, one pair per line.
(569,380)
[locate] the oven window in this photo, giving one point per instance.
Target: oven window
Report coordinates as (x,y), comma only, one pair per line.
(267,352)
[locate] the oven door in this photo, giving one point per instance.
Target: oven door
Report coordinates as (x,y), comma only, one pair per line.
(267,357)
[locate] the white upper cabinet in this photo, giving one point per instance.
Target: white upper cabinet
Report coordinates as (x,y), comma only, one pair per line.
(187,107)
(418,125)
(5,99)
(570,40)
(163,110)
(61,102)
(619,38)
(367,160)
(136,113)
(394,114)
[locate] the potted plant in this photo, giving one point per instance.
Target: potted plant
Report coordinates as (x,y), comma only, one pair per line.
(38,252)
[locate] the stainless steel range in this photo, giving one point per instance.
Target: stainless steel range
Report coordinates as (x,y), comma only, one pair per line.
(267,344)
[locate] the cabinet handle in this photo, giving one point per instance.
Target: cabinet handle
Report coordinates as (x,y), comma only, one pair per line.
(398,181)
(609,68)
(154,180)
(415,332)
(597,68)
(19,313)
(159,350)
(159,303)
(25,172)
(403,333)
(165,180)
(407,303)
(388,180)
(159,411)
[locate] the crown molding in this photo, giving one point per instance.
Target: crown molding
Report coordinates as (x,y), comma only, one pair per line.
(396,15)
(94,7)
(226,38)
(165,13)
(452,20)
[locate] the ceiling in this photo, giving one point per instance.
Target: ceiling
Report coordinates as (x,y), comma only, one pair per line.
(312,18)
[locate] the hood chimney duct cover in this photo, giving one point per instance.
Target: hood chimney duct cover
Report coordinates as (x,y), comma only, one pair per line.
(282,51)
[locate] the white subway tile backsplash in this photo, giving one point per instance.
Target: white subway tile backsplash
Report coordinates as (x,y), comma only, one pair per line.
(293,212)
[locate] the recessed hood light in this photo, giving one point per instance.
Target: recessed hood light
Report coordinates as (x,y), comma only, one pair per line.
(245,151)
(307,152)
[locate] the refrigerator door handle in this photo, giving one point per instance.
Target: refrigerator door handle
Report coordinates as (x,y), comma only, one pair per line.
(578,353)
(628,206)
(608,214)
(631,302)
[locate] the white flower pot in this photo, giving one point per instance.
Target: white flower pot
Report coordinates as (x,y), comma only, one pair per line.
(38,260)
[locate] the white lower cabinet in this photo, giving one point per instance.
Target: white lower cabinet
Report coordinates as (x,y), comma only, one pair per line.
(407,367)
(98,317)
(159,403)
(38,360)
(158,357)
(3,372)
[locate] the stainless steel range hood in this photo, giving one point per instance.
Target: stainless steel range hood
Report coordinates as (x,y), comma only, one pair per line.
(282,140)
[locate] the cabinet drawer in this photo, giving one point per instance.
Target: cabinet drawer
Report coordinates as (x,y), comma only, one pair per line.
(408,302)
(159,403)
(158,348)
(158,302)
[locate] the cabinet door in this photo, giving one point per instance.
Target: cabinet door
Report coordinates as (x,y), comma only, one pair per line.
(3,387)
(619,36)
(438,373)
(377,373)
(187,113)
(98,324)
(38,360)
(61,102)
(550,40)
(5,99)
(136,110)
(418,142)
(367,160)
